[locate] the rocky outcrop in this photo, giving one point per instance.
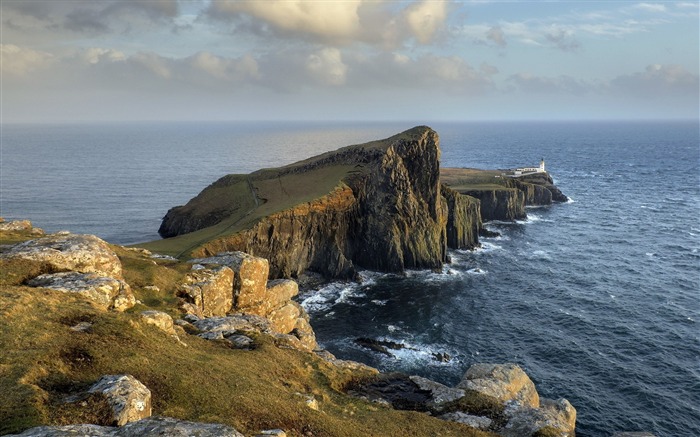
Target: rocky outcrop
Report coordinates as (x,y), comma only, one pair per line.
(463,219)
(150,427)
(109,293)
(128,398)
(19,226)
(494,397)
(64,251)
(160,320)
(251,294)
(386,213)
(207,292)
(504,382)
(506,204)
(84,264)
(545,181)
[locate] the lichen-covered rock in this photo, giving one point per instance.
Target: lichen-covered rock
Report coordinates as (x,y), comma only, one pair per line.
(250,277)
(160,320)
(440,395)
(234,323)
(149,427)
(19,226)
(107,292)
(208,291)
(478,422)
(129,399)
(70,252)
(504,382)
(305,333)
(558,417)
(284,319)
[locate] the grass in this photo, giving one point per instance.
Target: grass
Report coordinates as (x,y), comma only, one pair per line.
(274,192)
(43,363)
(469,179)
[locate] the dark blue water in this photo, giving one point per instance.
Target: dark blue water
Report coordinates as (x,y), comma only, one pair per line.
(598,299)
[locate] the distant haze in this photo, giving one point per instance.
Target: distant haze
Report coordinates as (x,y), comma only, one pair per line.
(75,61)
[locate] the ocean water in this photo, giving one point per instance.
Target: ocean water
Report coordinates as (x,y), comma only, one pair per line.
(597,299)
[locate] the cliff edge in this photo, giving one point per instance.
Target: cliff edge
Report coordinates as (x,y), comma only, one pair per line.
(377,205)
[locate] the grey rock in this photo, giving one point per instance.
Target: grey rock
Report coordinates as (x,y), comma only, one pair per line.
(557,415)
(505,382)
(107,292)
(160,320)
(272,433)
(210,291)
(440,394)
(234,323)
(129,399)
(71,252)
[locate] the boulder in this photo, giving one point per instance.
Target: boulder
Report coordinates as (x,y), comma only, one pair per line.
(440,395)
(70,252)
(272,433)
(250,281)
(284,319)
(557,417)
(504,382)
(305,333)
(129,399)
(234,323)
(208,291)
(107,292)
(150,427)
(160,320)
(18,226)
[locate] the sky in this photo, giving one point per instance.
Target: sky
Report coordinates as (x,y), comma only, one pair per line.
(84,61)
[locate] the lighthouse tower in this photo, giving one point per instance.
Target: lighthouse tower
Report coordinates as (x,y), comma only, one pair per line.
(542,170)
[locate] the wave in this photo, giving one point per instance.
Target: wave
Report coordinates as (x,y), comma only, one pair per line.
(331,294)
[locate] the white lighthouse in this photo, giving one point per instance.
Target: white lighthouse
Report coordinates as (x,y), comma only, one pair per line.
(542,170)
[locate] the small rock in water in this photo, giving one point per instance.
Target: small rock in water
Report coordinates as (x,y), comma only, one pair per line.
(442,357)
(381,346)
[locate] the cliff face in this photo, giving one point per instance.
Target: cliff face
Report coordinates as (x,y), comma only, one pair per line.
(544,181)
(500,204)
(387,213)
(463,219)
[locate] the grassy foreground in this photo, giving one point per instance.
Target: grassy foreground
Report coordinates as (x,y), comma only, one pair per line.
(43,362)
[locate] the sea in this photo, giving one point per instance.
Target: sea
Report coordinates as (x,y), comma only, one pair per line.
(597,299)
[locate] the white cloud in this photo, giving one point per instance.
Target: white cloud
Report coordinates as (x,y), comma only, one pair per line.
(497,35)
(563,84)
(19,61)
(328,19)
(327,66)
(650,7)
(426,18)
(95,55)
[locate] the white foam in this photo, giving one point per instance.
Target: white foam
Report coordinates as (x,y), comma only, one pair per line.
(393,328)
(541,254)
(488,247)
(331,294)
(379,302)
(570,200)
(477,271)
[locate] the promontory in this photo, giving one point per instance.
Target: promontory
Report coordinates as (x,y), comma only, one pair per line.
(384,205)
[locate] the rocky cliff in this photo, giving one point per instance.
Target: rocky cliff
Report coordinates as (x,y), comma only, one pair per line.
(501,197)
(377,205)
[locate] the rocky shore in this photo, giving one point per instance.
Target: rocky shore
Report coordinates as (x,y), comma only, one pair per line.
(199,334)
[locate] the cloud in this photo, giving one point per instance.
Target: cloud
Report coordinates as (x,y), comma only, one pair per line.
(562,38)
(426,18)
(497,35)
(376,22)
(563,84)
(658,80)
(650,7)
(327,66)
(18,61)
(92,18)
